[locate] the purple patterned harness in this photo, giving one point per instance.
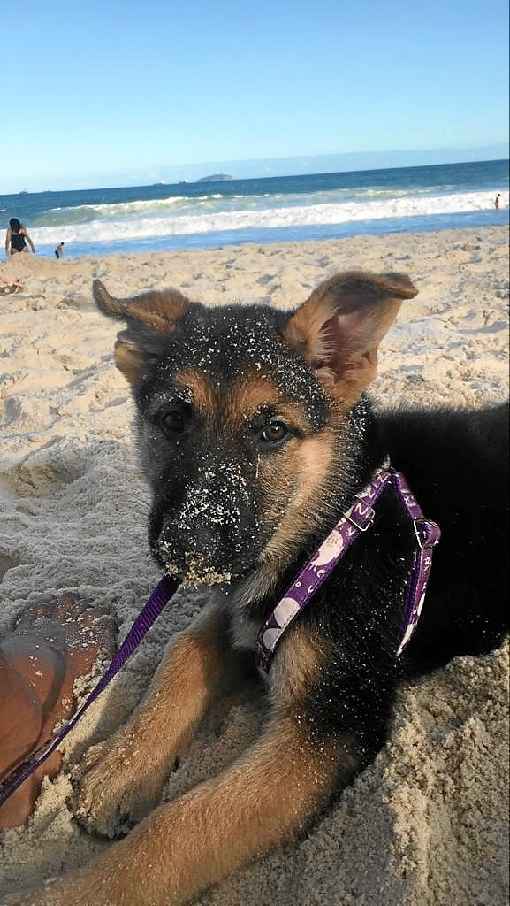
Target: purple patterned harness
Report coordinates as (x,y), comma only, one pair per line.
(356,520)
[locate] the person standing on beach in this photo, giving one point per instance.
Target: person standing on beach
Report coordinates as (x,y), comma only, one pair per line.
(59,251)
(496,201)
(17,238)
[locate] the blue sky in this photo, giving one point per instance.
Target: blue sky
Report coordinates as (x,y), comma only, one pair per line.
(111,93)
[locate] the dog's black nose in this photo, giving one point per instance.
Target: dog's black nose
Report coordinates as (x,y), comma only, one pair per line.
(188,549)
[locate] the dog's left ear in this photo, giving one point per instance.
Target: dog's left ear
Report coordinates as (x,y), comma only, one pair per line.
(339,328)
(149,318)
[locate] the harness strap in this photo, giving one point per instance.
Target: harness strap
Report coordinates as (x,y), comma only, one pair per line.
(427,535)
(356,520)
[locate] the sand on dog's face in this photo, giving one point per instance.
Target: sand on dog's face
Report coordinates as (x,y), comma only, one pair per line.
(248,417)
(221,482)
(427,823)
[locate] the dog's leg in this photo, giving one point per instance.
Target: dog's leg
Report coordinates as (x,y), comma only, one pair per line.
(264,799)
(121,779)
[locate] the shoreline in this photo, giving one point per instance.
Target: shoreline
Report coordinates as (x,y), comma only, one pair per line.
(427,822)
(496,232)
(281,235)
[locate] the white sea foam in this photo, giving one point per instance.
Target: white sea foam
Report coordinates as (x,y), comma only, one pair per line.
(137,226)
(127,207)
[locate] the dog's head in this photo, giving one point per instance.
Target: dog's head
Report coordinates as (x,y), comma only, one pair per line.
(242,414)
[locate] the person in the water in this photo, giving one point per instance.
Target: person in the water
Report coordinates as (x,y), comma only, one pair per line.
(17,238)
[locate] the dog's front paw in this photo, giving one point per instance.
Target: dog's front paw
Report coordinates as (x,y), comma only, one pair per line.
(116,785)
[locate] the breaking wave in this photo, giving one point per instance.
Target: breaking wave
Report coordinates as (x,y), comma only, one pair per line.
(179,215)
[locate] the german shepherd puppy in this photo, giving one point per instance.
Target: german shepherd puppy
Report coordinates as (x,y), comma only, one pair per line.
(255,434)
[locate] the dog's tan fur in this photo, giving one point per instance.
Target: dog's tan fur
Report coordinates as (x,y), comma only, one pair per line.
(196,669)
(199,389)
(339,336)
(299,665)
(157,310)
(247,394)
(267,796)
(303,474)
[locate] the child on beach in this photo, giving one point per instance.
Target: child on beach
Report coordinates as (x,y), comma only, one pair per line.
(17,238)
(59,251)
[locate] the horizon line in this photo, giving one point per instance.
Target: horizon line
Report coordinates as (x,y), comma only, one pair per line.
(210,165)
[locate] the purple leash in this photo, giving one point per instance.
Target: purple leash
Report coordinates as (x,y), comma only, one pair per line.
(356,520)
(143,622)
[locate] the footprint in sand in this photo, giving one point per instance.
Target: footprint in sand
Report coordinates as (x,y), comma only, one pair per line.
(265,279)
(45,470)
(49,648)
(7,561)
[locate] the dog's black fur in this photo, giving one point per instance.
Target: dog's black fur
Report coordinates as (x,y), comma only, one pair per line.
(213,388)
(456,462)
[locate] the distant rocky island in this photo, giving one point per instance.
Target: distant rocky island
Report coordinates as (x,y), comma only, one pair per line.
(215,177)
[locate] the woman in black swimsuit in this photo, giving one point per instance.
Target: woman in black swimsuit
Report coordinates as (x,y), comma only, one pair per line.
(17,238)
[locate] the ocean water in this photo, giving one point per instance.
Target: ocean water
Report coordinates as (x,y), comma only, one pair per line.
(211,214)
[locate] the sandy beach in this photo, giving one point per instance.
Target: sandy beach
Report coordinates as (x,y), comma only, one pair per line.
(426,824)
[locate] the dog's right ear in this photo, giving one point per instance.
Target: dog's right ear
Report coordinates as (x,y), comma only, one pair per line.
(340,326)
(149,318)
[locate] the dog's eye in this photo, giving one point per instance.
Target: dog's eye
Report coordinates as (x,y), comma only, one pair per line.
(274,433)
(173,421)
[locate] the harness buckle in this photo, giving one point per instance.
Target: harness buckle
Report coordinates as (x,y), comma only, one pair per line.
(427,532)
